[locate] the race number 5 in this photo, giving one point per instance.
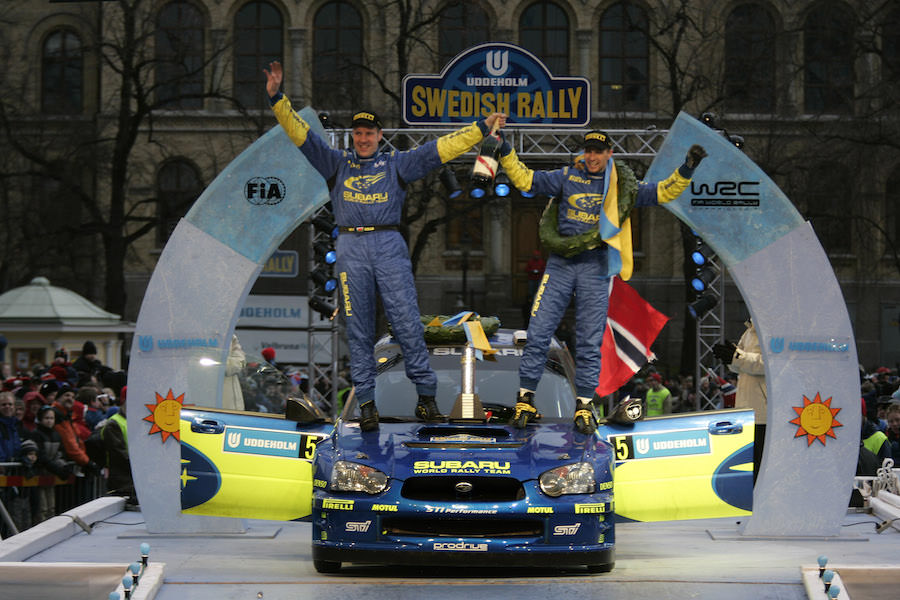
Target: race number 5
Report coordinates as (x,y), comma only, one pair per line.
(623,446)
(310,447)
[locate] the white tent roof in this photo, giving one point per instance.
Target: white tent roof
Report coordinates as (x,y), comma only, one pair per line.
(40,302)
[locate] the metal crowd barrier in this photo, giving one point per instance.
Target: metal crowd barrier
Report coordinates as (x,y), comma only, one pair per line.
(16,499)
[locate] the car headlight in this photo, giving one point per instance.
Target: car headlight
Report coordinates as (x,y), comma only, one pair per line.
(577,478)
(354,477)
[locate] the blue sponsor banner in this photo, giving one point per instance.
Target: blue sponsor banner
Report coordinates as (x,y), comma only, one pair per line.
(496,77)
(670,443)
(282,263)
(265,442)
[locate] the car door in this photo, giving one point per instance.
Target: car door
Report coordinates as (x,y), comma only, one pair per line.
(684,466)
(247,465)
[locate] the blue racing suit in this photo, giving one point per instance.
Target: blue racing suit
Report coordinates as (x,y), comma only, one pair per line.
(367,192)
(588,274)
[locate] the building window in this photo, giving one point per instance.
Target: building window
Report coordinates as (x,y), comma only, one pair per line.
(828,59)
(466,232)
(338,57)
(544,31)
(461,26)
(750,60)
(178,184)
(62,87)
(624,58)
(179,56)
(890,52)
(892,202)
(258,36)
(828,204)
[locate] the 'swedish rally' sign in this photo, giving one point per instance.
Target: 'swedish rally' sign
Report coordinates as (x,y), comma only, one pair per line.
(496,77)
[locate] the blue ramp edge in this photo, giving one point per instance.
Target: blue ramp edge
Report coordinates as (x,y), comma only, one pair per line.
(731,203)
(262,195)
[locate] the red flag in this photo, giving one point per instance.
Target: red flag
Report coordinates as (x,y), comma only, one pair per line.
(631,326)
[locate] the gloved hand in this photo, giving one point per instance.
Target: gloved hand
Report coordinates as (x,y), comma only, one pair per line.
(505,147)
(695,154)
(725,351)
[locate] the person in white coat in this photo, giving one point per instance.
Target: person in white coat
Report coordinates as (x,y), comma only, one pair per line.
(232,396)
(746,360)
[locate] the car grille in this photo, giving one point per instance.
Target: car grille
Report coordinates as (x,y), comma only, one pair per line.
(445,489)
(437,526)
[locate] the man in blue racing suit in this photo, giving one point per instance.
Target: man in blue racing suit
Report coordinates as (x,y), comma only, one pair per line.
(368,189)
(589,238)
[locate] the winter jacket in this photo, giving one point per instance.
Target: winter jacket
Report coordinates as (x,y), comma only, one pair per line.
(748,364)
(73,445)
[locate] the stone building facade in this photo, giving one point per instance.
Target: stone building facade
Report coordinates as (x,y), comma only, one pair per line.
(811,87)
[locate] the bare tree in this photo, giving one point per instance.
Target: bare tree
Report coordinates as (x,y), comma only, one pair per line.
(89,162)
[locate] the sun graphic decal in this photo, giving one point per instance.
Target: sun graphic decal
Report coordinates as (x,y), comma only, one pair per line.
(166,415)
(816,419)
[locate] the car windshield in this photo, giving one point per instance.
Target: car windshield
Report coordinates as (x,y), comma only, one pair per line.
(496,383)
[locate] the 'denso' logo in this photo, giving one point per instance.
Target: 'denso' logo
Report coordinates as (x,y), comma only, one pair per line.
(264,191)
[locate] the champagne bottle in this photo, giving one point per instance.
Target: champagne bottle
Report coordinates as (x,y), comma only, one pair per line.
(488,159)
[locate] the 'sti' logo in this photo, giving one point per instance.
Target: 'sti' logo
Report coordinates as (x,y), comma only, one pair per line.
(776,345)
(496,62)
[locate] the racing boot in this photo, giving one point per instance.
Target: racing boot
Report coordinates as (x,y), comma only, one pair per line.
(525,410)
(584,416)
(368,416)
(427,410)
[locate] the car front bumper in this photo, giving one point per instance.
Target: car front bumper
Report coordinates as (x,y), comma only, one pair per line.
(535,531)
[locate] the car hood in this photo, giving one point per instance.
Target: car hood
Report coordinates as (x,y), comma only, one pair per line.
(403,450)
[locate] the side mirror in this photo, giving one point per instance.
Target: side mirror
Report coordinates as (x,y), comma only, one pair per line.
(627,412)
(304,411)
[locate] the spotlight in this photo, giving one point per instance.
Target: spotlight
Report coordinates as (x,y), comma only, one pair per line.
(325,225)
(324,279)
(477,192)
(708,119)
(323,307)
(701,305)
(448,178)
(325,120)
(501,186)
(325,252)
(703,278)
(702,254)
(528,194)
(737,140)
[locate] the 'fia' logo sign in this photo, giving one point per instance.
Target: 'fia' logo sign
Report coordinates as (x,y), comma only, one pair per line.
(264,191)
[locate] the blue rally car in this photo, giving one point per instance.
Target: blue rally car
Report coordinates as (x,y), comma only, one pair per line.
(472,490)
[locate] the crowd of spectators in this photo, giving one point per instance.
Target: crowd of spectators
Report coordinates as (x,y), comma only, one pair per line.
(48,414)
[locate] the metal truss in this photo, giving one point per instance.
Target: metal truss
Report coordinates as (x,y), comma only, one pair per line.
(541,145)
(321,342)
(709,332)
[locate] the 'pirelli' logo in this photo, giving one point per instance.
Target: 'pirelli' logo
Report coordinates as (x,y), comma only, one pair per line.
(333,504)
(583,509)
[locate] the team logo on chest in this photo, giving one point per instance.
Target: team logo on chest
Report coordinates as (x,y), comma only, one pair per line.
(584,208)
(358,189)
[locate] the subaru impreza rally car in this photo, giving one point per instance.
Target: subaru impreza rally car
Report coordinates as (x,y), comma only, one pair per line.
(473,491)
